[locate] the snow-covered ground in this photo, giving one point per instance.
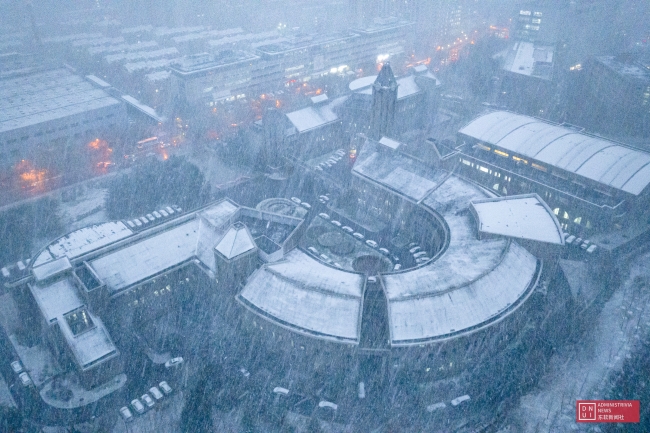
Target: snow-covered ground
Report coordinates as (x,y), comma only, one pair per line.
(583,372)
(86,209)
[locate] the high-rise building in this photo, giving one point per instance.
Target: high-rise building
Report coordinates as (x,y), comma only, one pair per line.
(384,97)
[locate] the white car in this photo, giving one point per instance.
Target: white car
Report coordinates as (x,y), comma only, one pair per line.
(421,260)
(336,223)
(280,390)
(165,387)
(156,393)
(137,406)
(372,244)
(313,250)
(177,208)
(347,229)
(305,205)
(147,400)
(591,248)
(137,222)
(163,213)
(328,404)
(150,217)
(126,413)
(325,258)
(358,235)
(420,254)
(459,400)
(156,214)
(324,216)
(169,210)
(174,362)
(397,267)
(25,379)
(570,240)
(319,168)
(324,197)
(17,367)
(415,249)
(384,251)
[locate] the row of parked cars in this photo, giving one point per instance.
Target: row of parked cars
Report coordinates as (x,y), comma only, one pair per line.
(336,157)
(304,404)
(585,244)
(17,368)
(147,401)
(153,216)
(454,402)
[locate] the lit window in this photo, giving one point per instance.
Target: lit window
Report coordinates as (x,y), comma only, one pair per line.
(539,167)
(577,220)
(516,158)
(556,211)
(501,153)
(483,169)
(482,147)
(566,216)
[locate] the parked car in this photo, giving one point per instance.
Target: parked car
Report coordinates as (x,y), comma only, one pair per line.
(17,367)
(137,406)
(280,390)
(305,205)
(296,200)
(324,216)
(415,249)
(336,223)
(384,251)
(165,387)
(25,379)
(358,235)
(174,362)
(372,244)
(459,400)
(126,413)
(347,229)
(146,398)
(157,395)
(570,240)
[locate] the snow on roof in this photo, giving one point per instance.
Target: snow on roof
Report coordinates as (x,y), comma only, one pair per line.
(141,55)
(421,68)
(303,294)
(406,86)
(158,76)
(136,262)
(319,98)
(312,117)
(121,47)
(56,299)
(524,57)
(396,171)
(143,108)
(388,142)
(607,162)
(98,81)
(92,345)
(51,268)
(461,309)
(520,216)
(83,241)
(361,83)
(162,250)
(46,96)
(243,37)
(453,196)
(235,242)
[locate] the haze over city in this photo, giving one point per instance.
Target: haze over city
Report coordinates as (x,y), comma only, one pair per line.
(324,216)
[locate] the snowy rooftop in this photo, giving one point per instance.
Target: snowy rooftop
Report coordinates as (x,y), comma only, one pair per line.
(389,142)
(45,96)
(51,268)
(206,34)
(83,241)
(98,81)
(395,171)
(307,296)
(406,86)
(235,242)
(152,255)
(525,58)
(315,116)
(242,38)
(607,162)
(56,299)
(519,216)
(630,69)
(141,55)
(122,47)
(91,346)
(143,108)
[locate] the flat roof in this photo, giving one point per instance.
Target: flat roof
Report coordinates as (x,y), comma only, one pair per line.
(90,346)
(142,55)
(206,34)
(316,116)
(57,298)
(242,38)
(395,171)
(46,96)
(83,241)
(630,69)
(603,161)
(51,269)
(205,62)
(518,216)
(122,47)
(143,108)
(527,58)
(307,296)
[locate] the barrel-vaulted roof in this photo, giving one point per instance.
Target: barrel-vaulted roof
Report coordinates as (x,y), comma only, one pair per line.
(604,161)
